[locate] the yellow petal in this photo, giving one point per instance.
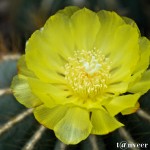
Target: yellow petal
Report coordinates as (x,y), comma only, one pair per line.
(23,93)
(125,46)
(40,59)
(58,34)
(22,68)
(144,60)
(124,53)
(131,110)
(74,127)
(85,26)
(49,117)
(121,103)
(50,48)
(143,85)
(103,123)
(121,74)
(68,11)
(132,23)
(49,94)
(110,21)
(117,88)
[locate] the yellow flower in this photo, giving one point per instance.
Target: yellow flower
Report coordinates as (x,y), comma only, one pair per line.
(80,70)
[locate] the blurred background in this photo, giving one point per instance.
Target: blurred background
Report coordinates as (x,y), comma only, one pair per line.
(18,128)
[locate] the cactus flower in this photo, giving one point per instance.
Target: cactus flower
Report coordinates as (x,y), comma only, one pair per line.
(82,69)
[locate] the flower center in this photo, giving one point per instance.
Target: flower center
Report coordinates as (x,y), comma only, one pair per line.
(87,73)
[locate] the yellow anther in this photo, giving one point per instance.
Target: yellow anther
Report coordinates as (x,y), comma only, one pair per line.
(87,73)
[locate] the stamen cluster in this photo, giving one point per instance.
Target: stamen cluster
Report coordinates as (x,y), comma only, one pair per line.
(87,72)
